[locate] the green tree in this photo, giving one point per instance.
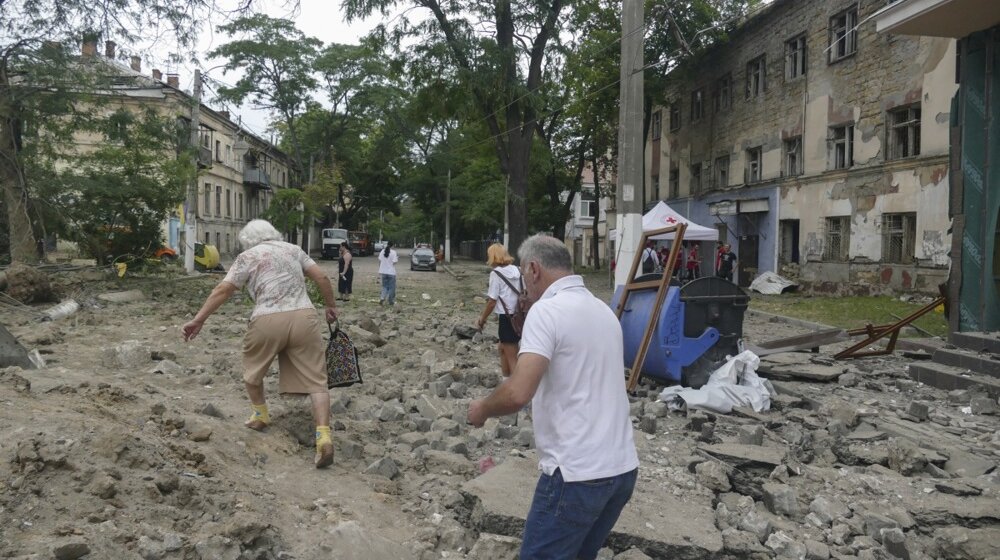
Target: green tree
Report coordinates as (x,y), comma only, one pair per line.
(502,67)
(276,60)
(287,211)
(112,199)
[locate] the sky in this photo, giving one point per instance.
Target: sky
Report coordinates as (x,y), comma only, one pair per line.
(322,19)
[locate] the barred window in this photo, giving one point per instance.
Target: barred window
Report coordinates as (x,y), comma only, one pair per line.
(899,237)
(838,238)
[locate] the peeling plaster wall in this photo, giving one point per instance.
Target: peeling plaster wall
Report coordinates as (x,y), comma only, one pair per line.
(887,72)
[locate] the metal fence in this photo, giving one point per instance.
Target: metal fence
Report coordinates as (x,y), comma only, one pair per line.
(475,250)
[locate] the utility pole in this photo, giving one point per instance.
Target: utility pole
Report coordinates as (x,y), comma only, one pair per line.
(447,219)
(630,149)
(191,213)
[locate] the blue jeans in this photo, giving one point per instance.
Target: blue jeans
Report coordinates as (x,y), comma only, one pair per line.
(388,288)
(570,520)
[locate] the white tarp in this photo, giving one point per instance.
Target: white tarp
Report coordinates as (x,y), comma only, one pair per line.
(734,384)
(770,283)
(662,216)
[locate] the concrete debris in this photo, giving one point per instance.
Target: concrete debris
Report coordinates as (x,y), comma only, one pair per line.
(130,354)
(495,547)
(28,285)
(128,296)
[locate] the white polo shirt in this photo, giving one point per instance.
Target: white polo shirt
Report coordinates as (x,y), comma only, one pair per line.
(580,410)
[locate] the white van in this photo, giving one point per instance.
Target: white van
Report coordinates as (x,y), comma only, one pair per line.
(332,238)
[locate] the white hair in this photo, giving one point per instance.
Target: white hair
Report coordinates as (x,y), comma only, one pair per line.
(547,251)
(257,232)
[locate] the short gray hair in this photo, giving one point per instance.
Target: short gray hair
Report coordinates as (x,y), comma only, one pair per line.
(547,251)
(257,232)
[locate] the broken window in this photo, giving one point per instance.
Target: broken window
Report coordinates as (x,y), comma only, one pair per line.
(844,34)
(655,125)
(697,104)
(842,146)
(722,172)
(723,93)
(838,239)
(695,177)
(229,203)
(793,156)
(899,237)
(675,182)
(904,132)
(753,172)
(208,200)
(208,238)
(218,201)
(756,75)
(240,206)
(789,242)
(675,117)
(656,187)
(795,57)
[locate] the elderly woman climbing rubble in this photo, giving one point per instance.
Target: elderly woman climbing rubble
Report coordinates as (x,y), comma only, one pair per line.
(283,324)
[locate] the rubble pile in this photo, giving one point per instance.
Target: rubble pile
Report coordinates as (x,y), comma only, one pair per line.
(130,444)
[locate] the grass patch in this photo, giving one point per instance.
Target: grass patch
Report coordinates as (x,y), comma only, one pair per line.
(849,312)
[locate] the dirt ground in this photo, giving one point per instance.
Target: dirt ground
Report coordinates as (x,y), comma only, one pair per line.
(130,443)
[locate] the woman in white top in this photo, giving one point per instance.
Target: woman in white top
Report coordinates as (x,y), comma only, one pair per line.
(387,273)
(505,287)
(283,324)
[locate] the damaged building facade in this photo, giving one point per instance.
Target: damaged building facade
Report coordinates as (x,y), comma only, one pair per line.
(817,147)
(238,172)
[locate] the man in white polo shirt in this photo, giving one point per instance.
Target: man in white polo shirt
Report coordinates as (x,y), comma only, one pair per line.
(570,368)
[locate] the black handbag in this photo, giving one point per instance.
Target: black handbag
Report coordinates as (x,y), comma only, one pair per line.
(342,367)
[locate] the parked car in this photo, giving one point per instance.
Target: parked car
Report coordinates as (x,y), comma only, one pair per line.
(379,245)
(423,259)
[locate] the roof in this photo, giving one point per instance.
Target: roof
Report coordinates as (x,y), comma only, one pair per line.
(938,18)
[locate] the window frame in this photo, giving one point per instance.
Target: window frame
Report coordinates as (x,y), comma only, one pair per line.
(696,179)
(655,186)
(756,82)
(218,201)
(789,169)
(909,126)
(723,98)
(697,104)
(587,202)
(674,183)
(721,170)
(843,233)
(656,125)
(850,35)
(834,143)
(906,231)
(754,171)
(208,201)
(675,117)
(797,48)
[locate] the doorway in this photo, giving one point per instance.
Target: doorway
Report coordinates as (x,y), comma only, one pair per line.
(747,259)
(789,242)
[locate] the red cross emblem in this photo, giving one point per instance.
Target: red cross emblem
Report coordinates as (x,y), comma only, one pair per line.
(670,220)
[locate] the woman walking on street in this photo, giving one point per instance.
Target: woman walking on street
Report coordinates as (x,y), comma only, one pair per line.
(504,288)
(387,273)
(283,324)
(345,268)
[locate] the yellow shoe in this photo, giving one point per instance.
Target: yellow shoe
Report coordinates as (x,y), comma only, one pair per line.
(324,447)
(259,419)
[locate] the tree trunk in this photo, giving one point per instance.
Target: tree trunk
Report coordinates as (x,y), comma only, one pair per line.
(519,163)
(21,236)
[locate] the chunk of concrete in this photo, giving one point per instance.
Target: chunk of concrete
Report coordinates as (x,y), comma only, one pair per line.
(11,351)
(713,476)
(130,354)
(384,467)
(655,521)
(746,455)
(751,435)
(128,296)
(495,547)
(781,499)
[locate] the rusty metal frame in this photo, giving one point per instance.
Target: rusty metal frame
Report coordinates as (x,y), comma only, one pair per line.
(662,286)
(875,333)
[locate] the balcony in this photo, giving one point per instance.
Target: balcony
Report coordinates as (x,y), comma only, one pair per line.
(255,177)
(204,157)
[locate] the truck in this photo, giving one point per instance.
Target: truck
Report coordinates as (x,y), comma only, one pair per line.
(332,238)
(361,243)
